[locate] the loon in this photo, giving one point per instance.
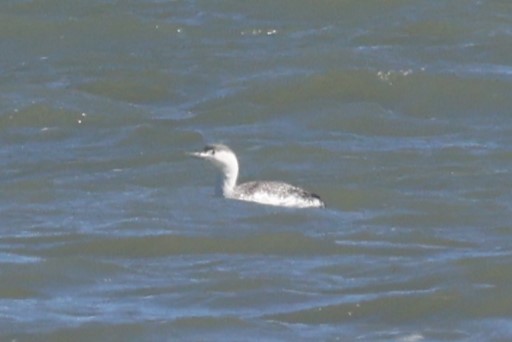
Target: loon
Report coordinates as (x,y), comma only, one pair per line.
(263,192)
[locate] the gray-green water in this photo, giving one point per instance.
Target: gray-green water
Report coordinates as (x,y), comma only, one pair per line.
(398,113)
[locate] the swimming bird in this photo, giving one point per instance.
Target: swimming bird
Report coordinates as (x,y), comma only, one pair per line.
(263,192)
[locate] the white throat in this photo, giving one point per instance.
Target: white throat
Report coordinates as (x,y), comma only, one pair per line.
(226,181)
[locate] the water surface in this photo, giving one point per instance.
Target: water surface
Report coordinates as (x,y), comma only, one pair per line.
(397,113)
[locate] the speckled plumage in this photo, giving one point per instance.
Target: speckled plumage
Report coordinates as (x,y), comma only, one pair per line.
(264,192)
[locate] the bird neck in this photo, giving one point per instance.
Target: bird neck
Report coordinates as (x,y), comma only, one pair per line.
(226,181)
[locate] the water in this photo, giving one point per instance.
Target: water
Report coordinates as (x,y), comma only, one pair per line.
(398,113)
